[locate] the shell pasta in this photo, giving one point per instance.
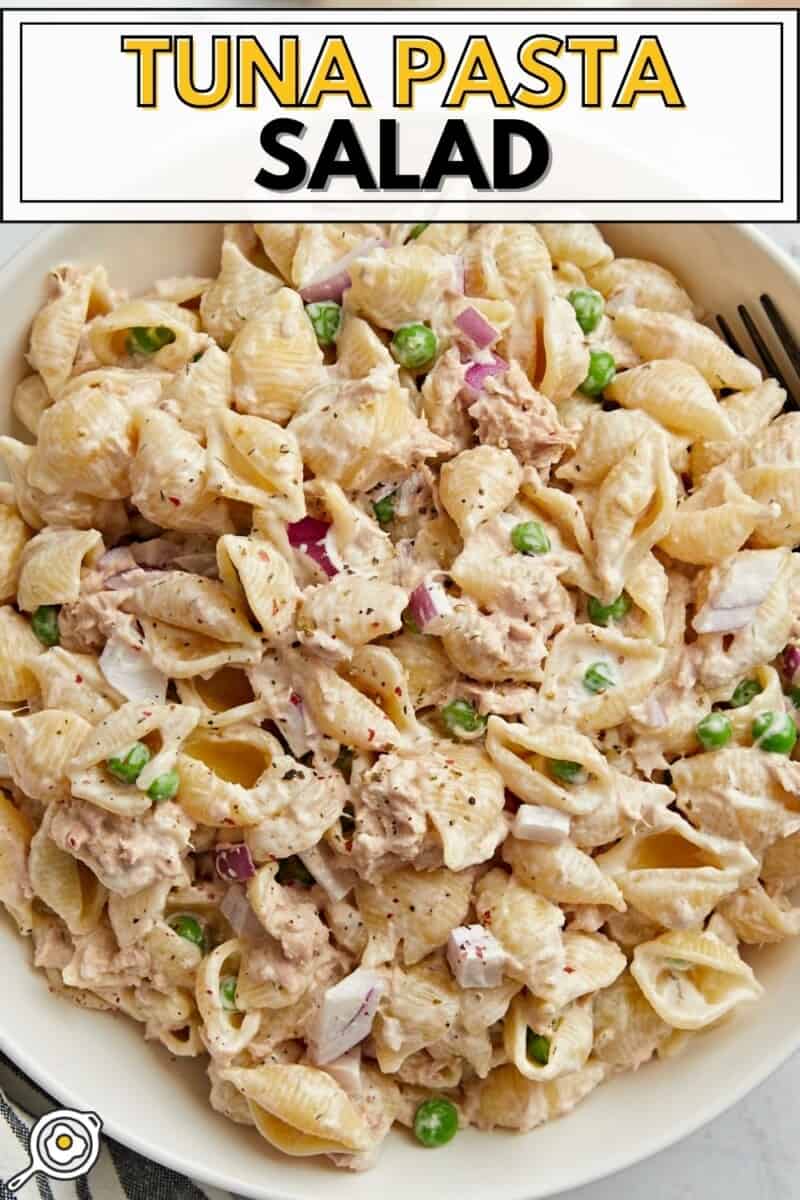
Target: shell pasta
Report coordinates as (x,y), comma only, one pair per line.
(399,666)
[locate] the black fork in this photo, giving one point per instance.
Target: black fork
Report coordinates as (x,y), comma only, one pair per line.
(784,335)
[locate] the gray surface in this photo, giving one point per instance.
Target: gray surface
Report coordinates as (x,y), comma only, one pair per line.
(750,1153)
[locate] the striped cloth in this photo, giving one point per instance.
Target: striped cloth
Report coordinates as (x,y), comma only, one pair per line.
(118,1174)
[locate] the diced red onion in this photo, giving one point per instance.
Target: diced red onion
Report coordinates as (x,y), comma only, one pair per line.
(791,661)
(346,1070)
(313,537)
(333,280)
(333,880)
(427,602)
(478,372)
(475,326)
(234,862)
(236,907)
(346,1015)
(131,673)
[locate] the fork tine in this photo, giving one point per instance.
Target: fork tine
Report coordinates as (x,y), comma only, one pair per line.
(785,335)
(763,349)
(727,333)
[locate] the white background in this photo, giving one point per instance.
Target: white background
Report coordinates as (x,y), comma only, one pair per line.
(84,139)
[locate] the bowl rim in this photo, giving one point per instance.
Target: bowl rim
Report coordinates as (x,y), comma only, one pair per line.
(619,1158)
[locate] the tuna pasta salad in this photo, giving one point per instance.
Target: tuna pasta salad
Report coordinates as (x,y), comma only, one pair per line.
(399,656)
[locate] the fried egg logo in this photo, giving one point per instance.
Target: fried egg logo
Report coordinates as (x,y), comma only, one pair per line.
(64,1145)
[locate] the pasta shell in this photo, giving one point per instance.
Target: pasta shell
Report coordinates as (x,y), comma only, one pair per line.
(713,522)
(237,294)
(658,335)
(576,242)
(677,875)
(65,885)
(402,284)
(412,909)
(508,1100)
(627,1031)
(19,646)
(31,398)
(477,485)
(570,1036)
(255,461)
(200,392)
(300,1110)
(527,926)
(15,837)
(57,328)
(627,281)
(50,567)
(275,359)
(109,335)
(759,918)
(41,749)
(562,873)
(692,979)
(500,259)
(635,663)
(675,394)
(254,568)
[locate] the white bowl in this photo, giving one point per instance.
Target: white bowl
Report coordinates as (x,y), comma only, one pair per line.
(159,1107)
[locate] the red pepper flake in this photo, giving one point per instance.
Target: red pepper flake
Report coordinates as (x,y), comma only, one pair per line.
(79,679)
(174,500)
(370,734)
(569,970)
(147,714)
(295,699)
(398,691)
(262,554)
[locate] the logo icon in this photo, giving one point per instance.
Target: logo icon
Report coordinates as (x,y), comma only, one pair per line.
(64,1144)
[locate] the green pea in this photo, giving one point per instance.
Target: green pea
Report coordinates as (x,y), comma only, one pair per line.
(344,762)
(598,677)
(775,732)
(603,614)
(227,993)
(384,509)
(602,370)
(564,770)
(436,1122)
(588,305)
(714,731)
(128,767)
(414,346)
(294,870)
(189,928)
(326,317)
(530,537)
(537,1047)
(148,339)
(164,787)
(744,692)
(462,717)
(417,230)
(44,624)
